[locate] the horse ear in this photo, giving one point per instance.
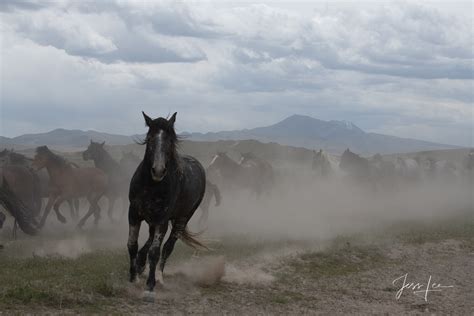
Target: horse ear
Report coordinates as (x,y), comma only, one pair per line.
(148,120)
(102,144)
(173,118)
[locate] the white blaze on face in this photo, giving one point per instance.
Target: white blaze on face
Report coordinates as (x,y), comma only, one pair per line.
(159,158)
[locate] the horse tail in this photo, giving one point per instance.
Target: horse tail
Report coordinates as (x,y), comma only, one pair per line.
(18,209)
(190,239)
(217,193)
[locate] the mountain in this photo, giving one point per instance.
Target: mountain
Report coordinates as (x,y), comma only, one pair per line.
(333,136)
(296,131)
(64,139)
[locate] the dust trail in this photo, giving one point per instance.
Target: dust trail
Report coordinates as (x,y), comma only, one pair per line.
(69,248)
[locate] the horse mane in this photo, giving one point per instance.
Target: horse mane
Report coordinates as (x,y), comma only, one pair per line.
(56,159)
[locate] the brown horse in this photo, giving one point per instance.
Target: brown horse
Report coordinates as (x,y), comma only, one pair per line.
(70,183)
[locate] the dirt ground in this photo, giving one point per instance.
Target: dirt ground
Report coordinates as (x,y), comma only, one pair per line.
(348,274)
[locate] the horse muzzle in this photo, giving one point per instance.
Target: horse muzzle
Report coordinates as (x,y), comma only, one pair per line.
(158,174)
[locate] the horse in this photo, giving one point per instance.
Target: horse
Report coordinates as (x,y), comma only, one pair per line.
(117,182)
(238,175)
(166,188)
(17,196)
(70,183)
(264,169)
(211,191)
(129,163)
(321,165)
(355,166)
(9,157)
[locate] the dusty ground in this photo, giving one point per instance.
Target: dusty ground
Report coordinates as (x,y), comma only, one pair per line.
(84,273)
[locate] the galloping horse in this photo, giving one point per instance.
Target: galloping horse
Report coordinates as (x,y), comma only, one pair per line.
(263,167)
(117,182)
(245,175)
(70,183)
(18,195)
(321,165)
(9,157)
(166,188)
(356,166)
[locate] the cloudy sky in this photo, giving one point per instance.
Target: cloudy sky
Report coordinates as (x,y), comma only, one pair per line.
(402,68)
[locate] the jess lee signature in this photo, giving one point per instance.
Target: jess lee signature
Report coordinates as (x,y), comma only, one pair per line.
(419,289)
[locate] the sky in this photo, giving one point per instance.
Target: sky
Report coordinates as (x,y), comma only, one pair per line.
(402,68)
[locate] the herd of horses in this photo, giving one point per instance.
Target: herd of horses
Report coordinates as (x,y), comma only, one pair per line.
(380,172)
(165,188)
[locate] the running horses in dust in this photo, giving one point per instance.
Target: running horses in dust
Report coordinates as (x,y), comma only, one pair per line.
(166,188)
(70,183)
(117,187)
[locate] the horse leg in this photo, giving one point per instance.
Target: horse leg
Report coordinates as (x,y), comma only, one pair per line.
(132,245)
(47,209)
(15,229)
(93,209)
(154,256)
(56,206)
(76,206)
(70,202)
(111,207)
(143,252)
(176,231)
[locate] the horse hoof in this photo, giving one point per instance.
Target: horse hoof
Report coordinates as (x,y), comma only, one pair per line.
(148,296)
(62,219)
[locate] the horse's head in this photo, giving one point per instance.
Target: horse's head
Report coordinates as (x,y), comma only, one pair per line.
(161,144)
(94,151)
(41,158)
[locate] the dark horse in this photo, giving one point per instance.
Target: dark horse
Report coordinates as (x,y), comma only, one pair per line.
(17,195)
(70,183)
(117,182)
(251,173)
(166,188)
(356,167)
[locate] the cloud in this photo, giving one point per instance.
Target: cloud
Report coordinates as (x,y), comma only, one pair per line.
(389,67)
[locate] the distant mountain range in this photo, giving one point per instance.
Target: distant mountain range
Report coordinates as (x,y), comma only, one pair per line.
(332,136)
(296,130)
